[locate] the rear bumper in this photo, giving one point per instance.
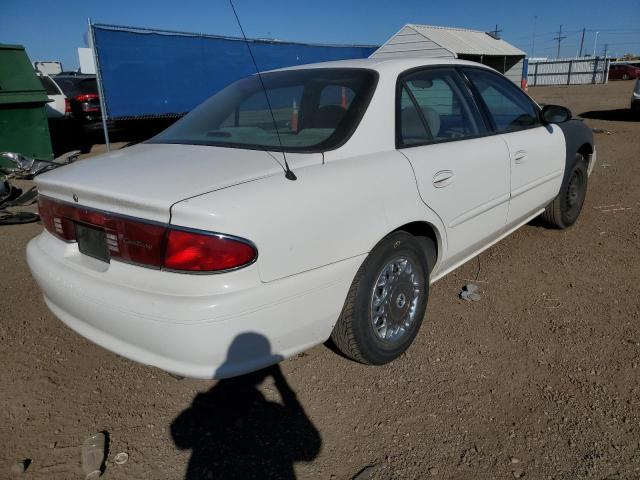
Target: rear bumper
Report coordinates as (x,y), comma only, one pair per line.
(95,125)
(202,326)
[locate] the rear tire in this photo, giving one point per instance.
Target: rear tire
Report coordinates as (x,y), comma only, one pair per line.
(626,76)
(566,207)
(386,303)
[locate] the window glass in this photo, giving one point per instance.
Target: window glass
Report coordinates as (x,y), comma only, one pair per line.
(89,85)
(314,109)
(509,107)
(49,86)
(412,127)
(336,95)
(442,111)
(254,111)
(74,86)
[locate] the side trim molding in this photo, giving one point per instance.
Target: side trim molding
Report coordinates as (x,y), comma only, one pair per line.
(479,210)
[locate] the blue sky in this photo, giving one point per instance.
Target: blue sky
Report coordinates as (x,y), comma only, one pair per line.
(53,30)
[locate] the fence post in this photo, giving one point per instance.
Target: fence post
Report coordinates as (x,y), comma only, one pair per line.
(569,72)
(595,70)
(535,76)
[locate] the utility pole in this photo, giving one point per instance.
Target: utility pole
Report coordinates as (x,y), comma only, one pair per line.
(606,48)
(595,42)
(582,42)
(496,32)
(559,38)
(533,39)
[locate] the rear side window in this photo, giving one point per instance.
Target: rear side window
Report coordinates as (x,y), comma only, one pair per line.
(49,86)
(509,107)
(432,108)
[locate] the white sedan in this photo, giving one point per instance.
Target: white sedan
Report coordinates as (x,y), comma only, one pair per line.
(251,230)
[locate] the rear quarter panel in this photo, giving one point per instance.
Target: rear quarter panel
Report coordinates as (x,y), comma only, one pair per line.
(332,212)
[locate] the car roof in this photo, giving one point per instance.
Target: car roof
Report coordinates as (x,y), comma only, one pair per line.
(386,65)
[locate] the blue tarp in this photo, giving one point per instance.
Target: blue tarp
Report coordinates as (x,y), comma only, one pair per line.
(147,73)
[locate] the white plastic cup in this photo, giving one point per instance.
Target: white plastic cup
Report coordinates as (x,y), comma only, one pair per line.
(93,456)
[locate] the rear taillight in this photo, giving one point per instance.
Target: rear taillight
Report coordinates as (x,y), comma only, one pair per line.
(150,244)
(67,106)
(86,97)
(89,102)
(198,252)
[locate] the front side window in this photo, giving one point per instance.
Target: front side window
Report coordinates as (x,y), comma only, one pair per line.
(314,109)
(432,108)
(509,107)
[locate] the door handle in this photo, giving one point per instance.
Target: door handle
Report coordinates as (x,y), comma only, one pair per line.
(520,156)
(443,178)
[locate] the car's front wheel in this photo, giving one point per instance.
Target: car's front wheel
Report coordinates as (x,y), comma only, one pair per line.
(386,302)
(566,207)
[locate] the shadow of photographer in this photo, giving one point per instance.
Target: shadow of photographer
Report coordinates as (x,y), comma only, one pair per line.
(233,431)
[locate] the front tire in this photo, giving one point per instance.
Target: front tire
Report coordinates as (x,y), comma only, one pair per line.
(566,207)
(386,303)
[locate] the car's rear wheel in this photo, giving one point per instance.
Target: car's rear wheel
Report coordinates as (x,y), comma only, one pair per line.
(626,76)
(566,207)
(386,302)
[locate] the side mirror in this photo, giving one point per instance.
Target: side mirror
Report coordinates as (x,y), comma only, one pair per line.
(556,114)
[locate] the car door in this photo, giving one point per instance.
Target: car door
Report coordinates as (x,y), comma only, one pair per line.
(537,151)
(462,172)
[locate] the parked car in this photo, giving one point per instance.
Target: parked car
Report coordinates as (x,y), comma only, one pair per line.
(635,97)
(81,91)
(324,214)
(623,71)
(58,107)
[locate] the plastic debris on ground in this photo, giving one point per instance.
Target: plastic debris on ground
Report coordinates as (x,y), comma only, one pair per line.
(93,455)
(21,466)
(470,293)
(14,165)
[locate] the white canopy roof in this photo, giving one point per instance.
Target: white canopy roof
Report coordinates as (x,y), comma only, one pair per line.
(457,41)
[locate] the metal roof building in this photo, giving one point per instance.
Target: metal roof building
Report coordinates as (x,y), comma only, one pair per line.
(444,42)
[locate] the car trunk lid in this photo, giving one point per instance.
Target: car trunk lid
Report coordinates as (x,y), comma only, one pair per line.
(145,180)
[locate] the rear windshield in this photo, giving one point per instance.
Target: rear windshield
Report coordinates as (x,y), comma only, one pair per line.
(314,109)
(49,86)
(74,86)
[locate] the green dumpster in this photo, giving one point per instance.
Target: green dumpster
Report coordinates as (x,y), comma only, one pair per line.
(23,122)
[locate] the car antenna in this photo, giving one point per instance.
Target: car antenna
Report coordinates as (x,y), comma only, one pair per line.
(288,173)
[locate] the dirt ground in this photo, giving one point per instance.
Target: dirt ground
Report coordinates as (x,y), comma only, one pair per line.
(540,379)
